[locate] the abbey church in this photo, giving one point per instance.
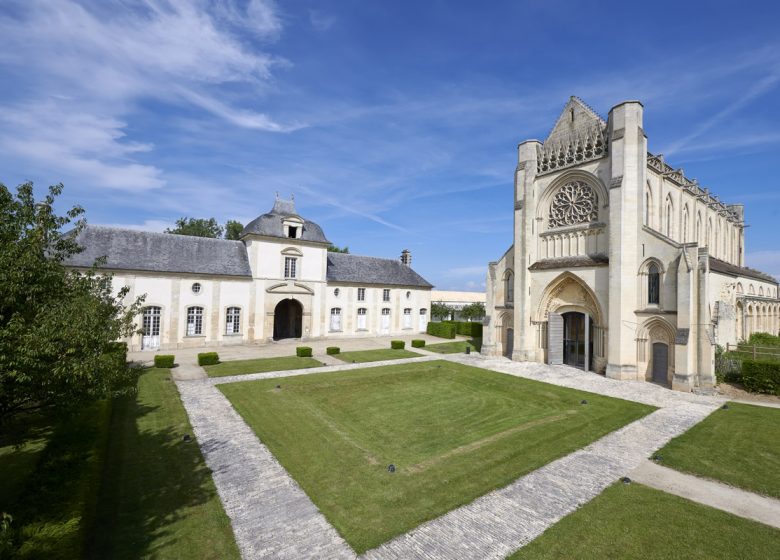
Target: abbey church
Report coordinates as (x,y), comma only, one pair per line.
(621,264)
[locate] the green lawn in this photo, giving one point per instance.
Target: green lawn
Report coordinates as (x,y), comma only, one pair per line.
(739,446)
(631,521)
(21,445)
(363,356)
(454,433)
(157,496)
(456,347)
(116,481)
(240,367)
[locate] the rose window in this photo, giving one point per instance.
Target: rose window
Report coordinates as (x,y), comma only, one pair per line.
(574,203)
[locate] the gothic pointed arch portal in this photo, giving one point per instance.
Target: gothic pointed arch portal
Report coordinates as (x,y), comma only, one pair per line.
(655,340)
(581,339)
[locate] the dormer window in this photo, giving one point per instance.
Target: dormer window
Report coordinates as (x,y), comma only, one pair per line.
(292,227)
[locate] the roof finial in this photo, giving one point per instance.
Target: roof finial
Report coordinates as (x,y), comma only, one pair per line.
(292,197)
(277,195)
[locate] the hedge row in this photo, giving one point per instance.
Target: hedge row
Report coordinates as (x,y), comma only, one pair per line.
(303,351)
(397,344)
(469,328)
(442,330)
(761,376)
(208,358)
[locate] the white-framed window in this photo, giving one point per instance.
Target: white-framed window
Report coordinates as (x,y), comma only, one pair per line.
(362,313)
(151,321)
(196,288)
(423,319)
(194,321)
(335,319)
(386,295)
(361,294)
(233,320)
(385,311)
(290,266)
(408,318)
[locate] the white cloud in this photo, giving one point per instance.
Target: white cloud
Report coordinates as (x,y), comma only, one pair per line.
(97,61)
(321,21)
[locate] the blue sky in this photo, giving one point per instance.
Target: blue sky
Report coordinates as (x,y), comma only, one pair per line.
(395,124)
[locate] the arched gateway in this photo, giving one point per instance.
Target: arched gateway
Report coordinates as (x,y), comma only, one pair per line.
(288,319)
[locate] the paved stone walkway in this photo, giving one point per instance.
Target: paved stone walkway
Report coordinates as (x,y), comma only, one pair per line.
(709,492)
(273,518)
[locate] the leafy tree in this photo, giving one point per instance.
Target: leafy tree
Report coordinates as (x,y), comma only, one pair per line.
(336,249)
(198,227)
(441,310)
(473,311)
(233,229)
(58,326)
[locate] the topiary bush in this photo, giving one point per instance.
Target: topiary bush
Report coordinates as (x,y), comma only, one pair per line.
(442,330)
(208,358)
(397,344)
(418,343)
(163,361)
(331,350)
(761,376)
(303,351)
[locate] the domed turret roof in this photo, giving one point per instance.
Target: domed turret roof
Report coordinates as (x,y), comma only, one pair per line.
(270,224)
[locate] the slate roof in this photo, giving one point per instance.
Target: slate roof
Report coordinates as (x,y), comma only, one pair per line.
(570,262)
(355,269)
(270,224)
(128,249)
(722,267)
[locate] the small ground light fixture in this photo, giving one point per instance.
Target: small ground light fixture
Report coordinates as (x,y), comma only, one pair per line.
(186,438)
(391,468)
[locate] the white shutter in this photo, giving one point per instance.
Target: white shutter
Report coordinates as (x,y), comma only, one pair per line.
(554,338)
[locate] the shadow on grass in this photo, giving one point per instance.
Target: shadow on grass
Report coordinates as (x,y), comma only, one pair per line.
(152,486)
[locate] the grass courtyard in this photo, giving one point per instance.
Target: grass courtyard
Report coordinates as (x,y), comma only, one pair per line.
(634,522)
(455,347)
(364,356)
(261,365)
(739,446)
(453,432)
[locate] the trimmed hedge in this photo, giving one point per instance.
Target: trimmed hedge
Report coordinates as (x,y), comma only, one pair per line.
(761,376)
(397,344)
(468,328)
(303,351)
(442,330)
(208,359)
(164,360)
(331,350)
(764,339)
(418,343)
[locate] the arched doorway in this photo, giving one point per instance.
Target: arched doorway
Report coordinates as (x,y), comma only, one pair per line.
(288,319)
(660,363)
(507,334)
(576,345)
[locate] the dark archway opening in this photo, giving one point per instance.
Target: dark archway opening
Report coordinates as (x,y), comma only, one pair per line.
(288,319)
(660,369)
(574,340)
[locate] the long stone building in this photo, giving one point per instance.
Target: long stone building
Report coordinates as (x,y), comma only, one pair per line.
(620,263)
(278,281)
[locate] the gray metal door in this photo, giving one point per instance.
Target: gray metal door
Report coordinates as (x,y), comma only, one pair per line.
(510,342)
(660,363)
(554,338)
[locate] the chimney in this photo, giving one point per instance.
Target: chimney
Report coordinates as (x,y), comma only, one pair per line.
(406,257)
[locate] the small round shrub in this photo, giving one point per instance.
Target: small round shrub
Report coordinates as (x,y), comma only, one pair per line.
(303,351)
(418,343)
(397,344)
(331,350)
(163,361)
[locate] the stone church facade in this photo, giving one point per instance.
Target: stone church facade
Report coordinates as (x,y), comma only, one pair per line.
(278,281)
(621,264)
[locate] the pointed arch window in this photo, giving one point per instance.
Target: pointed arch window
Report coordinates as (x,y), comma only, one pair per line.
(648,206)
(509,286)
(685,224)
(653,284)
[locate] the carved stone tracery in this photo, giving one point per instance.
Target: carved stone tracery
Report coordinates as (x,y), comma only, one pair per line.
(574,203)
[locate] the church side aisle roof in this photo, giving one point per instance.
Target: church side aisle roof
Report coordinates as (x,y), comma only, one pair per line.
(723,267)
(270,224)
(356,269)
(128,249)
